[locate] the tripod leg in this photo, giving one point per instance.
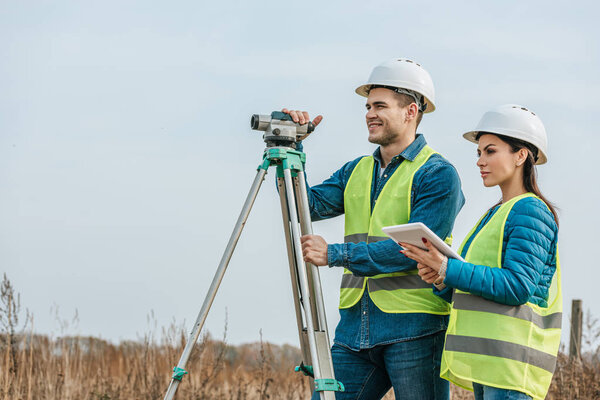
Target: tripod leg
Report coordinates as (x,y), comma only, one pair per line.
(302,333)
(214,286)
(314,343)
(323,345)
(306,226)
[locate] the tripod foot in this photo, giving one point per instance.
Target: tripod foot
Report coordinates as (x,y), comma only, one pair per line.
(330,385)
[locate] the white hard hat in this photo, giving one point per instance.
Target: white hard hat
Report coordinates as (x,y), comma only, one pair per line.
(516,122)
(402,73)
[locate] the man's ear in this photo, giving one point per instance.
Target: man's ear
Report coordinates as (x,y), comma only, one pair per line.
(412,112)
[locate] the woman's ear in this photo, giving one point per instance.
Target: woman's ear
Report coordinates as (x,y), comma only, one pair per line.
(522,155)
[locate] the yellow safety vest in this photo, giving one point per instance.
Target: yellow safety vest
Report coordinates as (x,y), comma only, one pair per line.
(398,292)
(493,344)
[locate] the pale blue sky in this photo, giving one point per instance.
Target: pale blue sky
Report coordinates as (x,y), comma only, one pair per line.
(126,153)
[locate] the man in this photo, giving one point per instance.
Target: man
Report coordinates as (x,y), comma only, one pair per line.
(391,330)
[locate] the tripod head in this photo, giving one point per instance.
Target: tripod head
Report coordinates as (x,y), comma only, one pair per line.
(280,129)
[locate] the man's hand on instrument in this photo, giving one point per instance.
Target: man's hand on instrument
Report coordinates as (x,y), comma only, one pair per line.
(302,117)
(314,249)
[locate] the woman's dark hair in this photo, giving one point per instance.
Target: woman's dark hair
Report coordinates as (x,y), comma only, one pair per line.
(529,170)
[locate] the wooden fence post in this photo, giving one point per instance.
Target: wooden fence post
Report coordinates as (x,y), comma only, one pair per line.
(576,325)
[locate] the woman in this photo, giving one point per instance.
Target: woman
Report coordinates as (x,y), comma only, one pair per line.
(504,329)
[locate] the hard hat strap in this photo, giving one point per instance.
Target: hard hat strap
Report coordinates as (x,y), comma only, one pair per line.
(418,98)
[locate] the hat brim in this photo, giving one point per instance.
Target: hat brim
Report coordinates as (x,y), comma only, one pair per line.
(471,136)
(363,90)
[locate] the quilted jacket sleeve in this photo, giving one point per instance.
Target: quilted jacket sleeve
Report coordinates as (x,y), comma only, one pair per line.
(527,263)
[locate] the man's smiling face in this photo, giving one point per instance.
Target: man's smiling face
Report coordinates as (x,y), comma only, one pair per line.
(385,118)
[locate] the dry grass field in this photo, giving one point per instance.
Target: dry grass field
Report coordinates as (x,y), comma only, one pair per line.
(35,367)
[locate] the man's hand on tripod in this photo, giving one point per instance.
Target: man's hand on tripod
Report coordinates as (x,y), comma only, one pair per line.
(314,249)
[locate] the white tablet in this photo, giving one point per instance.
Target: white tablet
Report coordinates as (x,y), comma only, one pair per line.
(414,232)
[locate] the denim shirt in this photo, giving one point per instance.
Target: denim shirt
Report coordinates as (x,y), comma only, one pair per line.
(436,199)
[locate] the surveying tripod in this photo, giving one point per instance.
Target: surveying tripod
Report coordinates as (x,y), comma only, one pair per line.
(281,135)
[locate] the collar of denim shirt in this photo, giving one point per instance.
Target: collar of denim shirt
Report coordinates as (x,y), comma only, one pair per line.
(410,153)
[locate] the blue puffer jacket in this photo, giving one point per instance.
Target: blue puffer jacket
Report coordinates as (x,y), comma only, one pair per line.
(528,262)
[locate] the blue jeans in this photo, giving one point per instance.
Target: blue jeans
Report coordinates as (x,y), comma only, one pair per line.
(483,392)
(411,367)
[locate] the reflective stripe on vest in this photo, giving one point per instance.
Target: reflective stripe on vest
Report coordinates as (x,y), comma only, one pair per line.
(400,292)
(466,301)
(510,347)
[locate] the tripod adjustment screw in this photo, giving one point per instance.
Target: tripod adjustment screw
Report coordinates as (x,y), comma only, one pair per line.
(178,373)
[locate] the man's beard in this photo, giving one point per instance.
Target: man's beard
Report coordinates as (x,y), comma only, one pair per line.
(385,139)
